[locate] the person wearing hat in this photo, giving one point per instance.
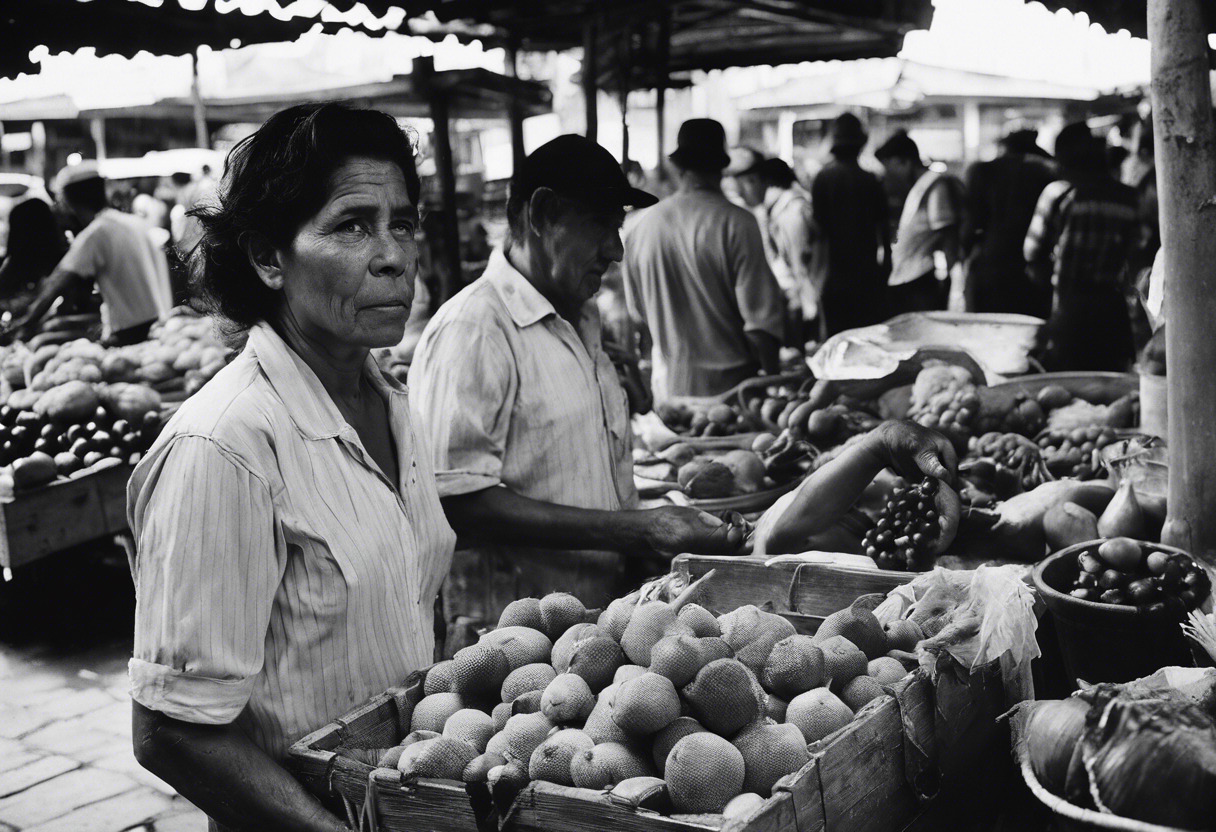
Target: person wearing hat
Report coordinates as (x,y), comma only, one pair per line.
(850,206)
(116,251)
(529,424)
(1001,194)
(697,277)
(928,229)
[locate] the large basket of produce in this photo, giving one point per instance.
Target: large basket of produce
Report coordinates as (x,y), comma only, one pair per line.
(1136,757)
(652,714)
(1118,606)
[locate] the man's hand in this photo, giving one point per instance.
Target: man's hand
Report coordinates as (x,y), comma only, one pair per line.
(677,529)
(914,451)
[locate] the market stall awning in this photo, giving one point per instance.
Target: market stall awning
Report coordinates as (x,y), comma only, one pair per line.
(125,27)
(703,34)
(1132,15)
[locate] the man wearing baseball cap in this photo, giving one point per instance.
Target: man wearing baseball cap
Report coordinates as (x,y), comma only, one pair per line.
(115,250)
(528,422)
(697,276)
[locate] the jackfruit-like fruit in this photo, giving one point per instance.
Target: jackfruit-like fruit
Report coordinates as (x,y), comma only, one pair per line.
(858,625)
(559,611)
(703,622)
(523,612)
(859,691)
(438,678)
(471,726)
(607,764)
(666,739)
(567,700)
(769,753)
(615,618)
(523,645)
(433,711)
(794,666)
(523,733)
(842,661)
(818,713)
(563,648)
(551,759)
(886,670)
(645,705)
(752,633)
(704,772)
(680,657)
(478,672)
(596,660)
(443,757)
(626,672)
(723,696)
(523,679)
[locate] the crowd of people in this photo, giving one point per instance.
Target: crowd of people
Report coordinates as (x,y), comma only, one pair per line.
(1060,238)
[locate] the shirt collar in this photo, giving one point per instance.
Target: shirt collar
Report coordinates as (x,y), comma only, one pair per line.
(309,403)
(524,302)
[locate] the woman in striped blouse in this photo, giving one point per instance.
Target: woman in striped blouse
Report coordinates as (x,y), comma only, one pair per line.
(290,540)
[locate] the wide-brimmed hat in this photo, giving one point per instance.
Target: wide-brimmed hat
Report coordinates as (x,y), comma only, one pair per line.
(577,167)
(847,132)
(701,145)
(79,172)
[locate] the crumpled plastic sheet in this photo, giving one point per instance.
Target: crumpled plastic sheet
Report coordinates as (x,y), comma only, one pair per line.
(1003,603)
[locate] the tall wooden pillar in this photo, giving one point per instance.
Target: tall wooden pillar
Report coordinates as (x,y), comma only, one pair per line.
(662,52)
(515,112)
(591,76)
(445,168)
(1185,147)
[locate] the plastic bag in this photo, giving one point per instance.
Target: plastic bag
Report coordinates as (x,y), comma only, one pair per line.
(976,617)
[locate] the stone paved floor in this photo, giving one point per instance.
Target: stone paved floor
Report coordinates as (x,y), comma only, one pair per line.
(65,717)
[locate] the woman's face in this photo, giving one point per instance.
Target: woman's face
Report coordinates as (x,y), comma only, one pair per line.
(348,275)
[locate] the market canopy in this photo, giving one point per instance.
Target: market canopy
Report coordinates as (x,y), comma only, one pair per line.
(125,27)
(641,36)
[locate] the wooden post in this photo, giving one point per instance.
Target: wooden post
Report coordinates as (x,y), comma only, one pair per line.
(626,67)
(202,138)
(515,113)
(590,76)
(97,128)
(445,168)
(1185,147)
(662,52)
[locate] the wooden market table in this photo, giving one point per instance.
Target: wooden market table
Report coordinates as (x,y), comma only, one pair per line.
(63,514)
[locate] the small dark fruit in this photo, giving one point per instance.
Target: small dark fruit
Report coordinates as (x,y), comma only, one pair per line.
(91,459)
(1141,591)
(1083,594)
(1087,579)
(1112,579)
(1113,596)
(1090,563)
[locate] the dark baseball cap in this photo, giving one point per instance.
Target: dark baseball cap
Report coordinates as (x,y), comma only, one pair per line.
(576,167)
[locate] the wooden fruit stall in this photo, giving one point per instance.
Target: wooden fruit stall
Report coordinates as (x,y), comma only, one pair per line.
(63,514)
(872,775)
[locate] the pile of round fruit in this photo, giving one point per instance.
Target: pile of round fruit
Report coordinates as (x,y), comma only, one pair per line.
(1126,572)
(914,525)
(41,448)
(720,707)
(1073,453)
(717,420)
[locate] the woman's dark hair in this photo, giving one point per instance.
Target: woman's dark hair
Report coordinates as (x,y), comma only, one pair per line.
(273,182)
(35,239)
(775,173)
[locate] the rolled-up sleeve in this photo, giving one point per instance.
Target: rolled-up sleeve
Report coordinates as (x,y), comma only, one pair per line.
(210,562)
(463,384)
(761,301)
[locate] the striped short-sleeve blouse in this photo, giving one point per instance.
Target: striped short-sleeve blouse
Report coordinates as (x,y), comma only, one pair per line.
(281,578)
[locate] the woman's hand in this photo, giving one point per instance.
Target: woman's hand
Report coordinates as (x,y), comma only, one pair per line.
(914,451)
(678,529)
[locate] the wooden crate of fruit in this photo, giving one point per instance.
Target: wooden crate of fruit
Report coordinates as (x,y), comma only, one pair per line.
(33,525)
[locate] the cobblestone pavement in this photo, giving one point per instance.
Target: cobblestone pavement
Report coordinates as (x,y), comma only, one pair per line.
(66,763)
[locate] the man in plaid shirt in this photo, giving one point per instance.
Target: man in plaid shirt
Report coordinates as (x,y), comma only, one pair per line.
(1081,239)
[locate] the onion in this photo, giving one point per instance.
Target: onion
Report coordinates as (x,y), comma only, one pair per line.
(1052,733)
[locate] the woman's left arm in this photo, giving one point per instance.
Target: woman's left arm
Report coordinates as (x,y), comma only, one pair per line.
(909,449)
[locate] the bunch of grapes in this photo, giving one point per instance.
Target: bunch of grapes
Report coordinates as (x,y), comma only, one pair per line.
(1074,453)
(907,528)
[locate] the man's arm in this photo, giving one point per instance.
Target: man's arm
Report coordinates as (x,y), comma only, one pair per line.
(945,211)
(1041,236)
(55,286)
(221,771)
(499,515)
(761,301)
(767,350)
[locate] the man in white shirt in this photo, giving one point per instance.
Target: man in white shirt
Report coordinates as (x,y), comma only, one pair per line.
(115,250)
(527,418)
